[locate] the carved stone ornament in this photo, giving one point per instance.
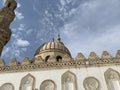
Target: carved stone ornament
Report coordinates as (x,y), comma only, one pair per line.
(27,81)
(48,85)
(69,78)
(7,86)
(111,74)
(80,56)
(118,54)
(106,55)
(93,56)
(91,83)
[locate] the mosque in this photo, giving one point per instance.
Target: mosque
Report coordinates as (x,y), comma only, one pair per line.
(53,68)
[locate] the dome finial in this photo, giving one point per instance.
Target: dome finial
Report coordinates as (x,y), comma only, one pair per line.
(59,39)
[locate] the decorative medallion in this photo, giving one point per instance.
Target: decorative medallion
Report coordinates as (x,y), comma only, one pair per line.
(47,85)
(7,86)
(91,83)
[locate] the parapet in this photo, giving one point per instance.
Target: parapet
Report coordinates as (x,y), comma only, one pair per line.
(80,61)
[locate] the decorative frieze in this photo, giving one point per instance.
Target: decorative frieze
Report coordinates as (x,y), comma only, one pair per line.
(80,61)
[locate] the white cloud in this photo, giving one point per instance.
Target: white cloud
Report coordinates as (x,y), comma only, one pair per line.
(6,50)
(15,50)
(18,44)
(63,2)
(19,15)
(21,27)
(29,31)
(22,43)
(18,5)
(94,26)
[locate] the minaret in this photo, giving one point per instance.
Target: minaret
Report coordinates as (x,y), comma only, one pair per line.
(7,15)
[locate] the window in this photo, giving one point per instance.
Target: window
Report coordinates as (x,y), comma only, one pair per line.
(112,78)
(58,58)
(69,81)
(8,4)
(48,85)
(27,82)
(47,58)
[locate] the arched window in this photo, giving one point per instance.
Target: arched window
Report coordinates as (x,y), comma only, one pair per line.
(7,86)
(112,78)
(48,85)
(58,58)
(46,58)
(69,81)
(27,82)
(8,4)
(91,83)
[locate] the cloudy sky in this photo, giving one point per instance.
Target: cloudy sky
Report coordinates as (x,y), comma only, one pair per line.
(84,26)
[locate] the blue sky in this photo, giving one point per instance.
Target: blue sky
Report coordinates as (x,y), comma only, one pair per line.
(84,26)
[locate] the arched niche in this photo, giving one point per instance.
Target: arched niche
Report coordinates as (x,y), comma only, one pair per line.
(7,86)
(58,58)
(27,82)
(112,78)
(91,83)
(69,81)
(47,58)
(48,85)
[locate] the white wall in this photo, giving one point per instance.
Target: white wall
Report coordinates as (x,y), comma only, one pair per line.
(55,75)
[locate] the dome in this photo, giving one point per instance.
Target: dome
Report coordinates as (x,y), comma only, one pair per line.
(52,50)
(52,47)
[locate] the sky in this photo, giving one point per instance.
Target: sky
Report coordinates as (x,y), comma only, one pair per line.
(84,26)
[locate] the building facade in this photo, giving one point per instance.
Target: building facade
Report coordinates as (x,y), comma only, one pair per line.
(53,68)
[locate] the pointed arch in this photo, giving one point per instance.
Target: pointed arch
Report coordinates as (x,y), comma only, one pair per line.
(27,82)
(48,85)
(7,86)
(112,78)
(69,81)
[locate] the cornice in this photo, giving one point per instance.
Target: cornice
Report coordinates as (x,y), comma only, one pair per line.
(59,65)
(37,63)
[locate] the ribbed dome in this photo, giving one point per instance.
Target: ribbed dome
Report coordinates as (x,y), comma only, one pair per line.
(53,47)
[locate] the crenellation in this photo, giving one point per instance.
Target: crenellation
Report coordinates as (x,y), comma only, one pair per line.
(25,61)
(93,56)
(2,62)
(106,55)
(80,56)
(118,54)
(93,59)
(13,62)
